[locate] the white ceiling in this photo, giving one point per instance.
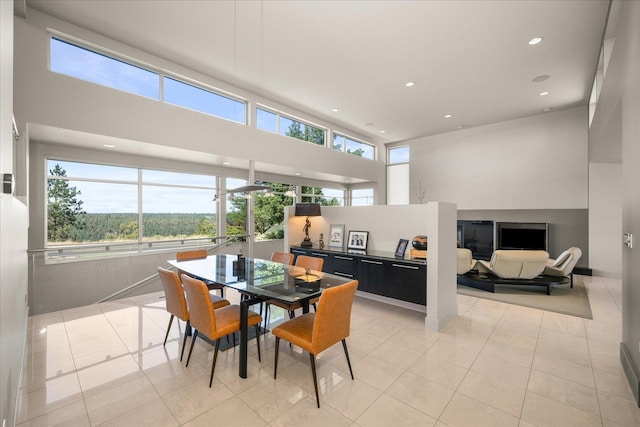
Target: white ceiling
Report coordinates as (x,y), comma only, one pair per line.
(467,58)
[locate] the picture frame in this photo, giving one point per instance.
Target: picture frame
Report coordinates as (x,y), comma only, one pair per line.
(336,236)
(401,248)
(358,240)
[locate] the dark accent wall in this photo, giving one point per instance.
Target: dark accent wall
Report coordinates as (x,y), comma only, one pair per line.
(567,227)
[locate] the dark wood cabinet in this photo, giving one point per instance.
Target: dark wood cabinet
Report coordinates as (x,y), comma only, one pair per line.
(409,282)
(341,265)
(372,277)
(380,274)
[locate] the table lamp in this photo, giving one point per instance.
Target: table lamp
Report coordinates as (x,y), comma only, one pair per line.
(307,209)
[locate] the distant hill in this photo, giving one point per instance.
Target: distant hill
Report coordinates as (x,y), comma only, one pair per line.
(98,227)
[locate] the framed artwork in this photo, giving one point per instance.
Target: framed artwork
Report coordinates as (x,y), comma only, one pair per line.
(358,240)
(336,236)
(402,246)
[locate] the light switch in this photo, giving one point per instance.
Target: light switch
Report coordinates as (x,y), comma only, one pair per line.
(628,240)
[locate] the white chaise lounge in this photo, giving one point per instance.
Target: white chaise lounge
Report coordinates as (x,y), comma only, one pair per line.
(564,264)
(515,264)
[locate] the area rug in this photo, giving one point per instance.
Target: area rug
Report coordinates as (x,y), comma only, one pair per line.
(563,299)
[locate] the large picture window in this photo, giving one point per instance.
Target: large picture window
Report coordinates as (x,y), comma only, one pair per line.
(362,197)
(90,203)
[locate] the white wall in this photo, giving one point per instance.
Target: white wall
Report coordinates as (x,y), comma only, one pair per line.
(538,162)
(616,117)
(605,219)
(386,224)
(13,239)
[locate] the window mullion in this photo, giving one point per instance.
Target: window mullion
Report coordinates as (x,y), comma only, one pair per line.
(140,223)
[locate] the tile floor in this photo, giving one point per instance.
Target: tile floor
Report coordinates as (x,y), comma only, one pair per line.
(495,364)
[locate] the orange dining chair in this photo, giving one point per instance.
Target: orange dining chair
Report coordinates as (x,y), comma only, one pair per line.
(315,332)
(177,303)
(214,324)
(282,257)
(198,254)
(303,261)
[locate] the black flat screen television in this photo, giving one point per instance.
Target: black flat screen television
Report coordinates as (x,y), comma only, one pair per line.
(532,236)
(476,236)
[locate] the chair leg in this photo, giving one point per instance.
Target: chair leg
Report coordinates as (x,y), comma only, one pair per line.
(275,363)
(221,292)
(267,309)
(346,353)
(315,308)
(571,280)
(258,340)
(312,357)
(184,341)
(213,364)
(193,341)
(168,329)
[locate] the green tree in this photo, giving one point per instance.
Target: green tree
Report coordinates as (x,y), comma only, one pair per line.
(305,133)
(357,152)
(268,212)
(206,226)
(64,208)
(318,196)
(129,230)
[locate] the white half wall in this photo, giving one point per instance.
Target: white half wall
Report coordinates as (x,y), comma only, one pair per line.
(538,162)
(605,219)
(385,224)
(442,287)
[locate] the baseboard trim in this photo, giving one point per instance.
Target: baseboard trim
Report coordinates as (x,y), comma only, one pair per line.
(630,372)
(584,271)
(392,301)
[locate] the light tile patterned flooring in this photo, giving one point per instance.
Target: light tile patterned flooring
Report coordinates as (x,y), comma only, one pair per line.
(494,365)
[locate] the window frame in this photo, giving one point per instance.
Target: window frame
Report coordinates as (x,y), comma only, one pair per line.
(155,70)
(85,251)
(356,140)
(280,115)
(397,147)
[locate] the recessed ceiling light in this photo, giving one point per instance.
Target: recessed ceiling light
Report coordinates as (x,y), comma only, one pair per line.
(409,84)
(541,78)
(226,163)
(448,116)
(335,110)
(383,131)
(534,41)
(297,173)
(108,146)
(547,109)
(460,126)
(545,93)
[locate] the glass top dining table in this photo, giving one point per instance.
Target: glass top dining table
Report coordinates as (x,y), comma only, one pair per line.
(262,280)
